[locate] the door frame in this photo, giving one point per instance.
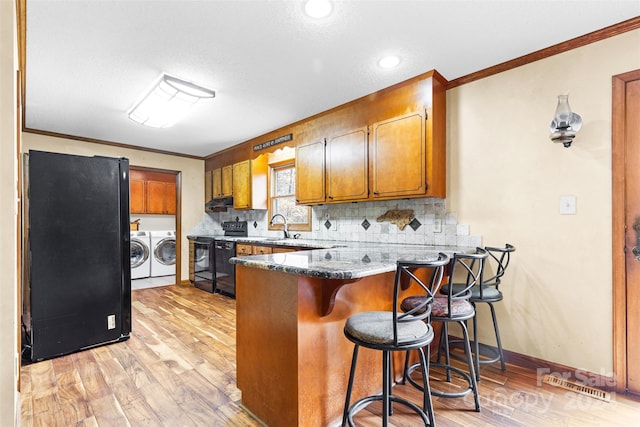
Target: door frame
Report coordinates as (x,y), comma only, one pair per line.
(178,225)
(619,274)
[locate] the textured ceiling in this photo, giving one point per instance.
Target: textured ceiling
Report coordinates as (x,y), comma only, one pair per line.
(88,61)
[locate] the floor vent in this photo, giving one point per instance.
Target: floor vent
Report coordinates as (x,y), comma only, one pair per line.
(578,388)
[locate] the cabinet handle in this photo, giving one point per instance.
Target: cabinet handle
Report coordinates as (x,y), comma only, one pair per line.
(331,197)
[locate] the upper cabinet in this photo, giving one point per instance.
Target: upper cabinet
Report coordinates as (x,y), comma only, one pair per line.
(227,181)
(347,166)
(161,198)
(208,188)
(399,157)
(310,170)
(250,184)
(390,144)
(152,193)
(218,183)
(333,170)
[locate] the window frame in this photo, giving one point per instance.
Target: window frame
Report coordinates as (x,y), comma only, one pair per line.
(273,168)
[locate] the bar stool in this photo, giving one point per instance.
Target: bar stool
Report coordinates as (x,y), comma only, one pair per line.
(487,291)
(454,306)
(390,331)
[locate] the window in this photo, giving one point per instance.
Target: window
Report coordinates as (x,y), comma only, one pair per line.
(282,199)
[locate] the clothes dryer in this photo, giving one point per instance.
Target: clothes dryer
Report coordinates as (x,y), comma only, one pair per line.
(140,254)
(163,250)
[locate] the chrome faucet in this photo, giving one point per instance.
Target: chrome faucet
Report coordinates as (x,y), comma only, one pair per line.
(284,224)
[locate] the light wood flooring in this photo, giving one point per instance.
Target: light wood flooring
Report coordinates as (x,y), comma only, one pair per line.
(178,369)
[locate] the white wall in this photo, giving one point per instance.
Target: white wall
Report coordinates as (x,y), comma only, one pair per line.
(505,178)
(9,402)
(192,176)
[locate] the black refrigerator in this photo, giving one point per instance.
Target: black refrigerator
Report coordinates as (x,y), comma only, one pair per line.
(77,269)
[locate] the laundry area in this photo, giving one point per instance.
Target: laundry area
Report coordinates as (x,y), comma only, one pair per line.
(153,235)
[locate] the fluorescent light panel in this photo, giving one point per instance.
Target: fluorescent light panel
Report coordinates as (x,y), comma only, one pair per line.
(169,101)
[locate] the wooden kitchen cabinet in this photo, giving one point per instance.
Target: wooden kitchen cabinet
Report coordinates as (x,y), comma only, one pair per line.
(227,181)
(208,188)
(333,170)
(243,249)
(137,196)
(347,170)
(310,173)
(152,193)
(398,157)
(216,183)
(161,198)
(250,184)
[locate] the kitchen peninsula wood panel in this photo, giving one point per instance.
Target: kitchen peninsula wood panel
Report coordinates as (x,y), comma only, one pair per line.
(292,359)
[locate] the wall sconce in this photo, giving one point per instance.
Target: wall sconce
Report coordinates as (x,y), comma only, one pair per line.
(565,124)
(170,100)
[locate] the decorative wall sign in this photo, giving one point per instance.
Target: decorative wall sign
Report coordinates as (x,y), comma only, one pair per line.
(399,217)
(272,142)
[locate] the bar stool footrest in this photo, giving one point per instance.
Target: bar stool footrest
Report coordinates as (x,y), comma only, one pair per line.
(365,401)
(491,354)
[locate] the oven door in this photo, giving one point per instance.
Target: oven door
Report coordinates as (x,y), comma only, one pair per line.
(225,273)
(202,264)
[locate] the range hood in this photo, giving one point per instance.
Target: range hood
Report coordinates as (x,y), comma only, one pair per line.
(219,204)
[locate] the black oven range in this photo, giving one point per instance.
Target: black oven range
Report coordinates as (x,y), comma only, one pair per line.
(210,263)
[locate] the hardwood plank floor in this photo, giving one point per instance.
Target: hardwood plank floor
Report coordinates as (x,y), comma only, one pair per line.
(178,369)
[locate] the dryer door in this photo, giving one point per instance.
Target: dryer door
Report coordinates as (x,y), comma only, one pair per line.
(139,253)
(165,252)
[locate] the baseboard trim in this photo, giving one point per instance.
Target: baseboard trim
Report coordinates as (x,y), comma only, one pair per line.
(545,367)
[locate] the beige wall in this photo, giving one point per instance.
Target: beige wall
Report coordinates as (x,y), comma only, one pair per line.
(192,175)
(9,403)
(506,178)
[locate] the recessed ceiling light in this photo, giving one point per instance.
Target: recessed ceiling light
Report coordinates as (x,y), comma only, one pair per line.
(318,8)
(389,61)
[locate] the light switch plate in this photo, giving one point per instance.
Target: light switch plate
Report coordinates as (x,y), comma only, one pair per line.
(568,205)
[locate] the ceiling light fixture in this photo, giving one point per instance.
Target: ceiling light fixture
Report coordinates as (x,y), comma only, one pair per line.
(565,123)
(170,100)
(318,8)
(390,61)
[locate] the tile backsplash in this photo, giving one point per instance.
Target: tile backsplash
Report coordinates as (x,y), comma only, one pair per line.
(431,225)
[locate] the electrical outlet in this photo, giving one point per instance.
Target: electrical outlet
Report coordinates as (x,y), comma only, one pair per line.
(437,225)
(111,321)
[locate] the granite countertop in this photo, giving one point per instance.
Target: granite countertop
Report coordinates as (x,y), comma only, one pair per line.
(276,241)
(351,261)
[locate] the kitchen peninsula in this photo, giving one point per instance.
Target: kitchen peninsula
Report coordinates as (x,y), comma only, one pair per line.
(292,357)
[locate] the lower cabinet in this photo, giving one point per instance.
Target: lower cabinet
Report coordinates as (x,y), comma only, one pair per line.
(244,249)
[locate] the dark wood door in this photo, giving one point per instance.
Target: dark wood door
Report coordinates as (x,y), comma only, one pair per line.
(626,230)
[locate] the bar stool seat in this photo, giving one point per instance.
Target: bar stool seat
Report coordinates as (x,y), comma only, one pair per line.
(390,331)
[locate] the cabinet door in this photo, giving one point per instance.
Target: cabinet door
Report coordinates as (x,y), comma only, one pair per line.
(216,182)
(243,250)
(261,250)
(208,193)
(155,197)
(170,198)
(398,155)
(347,166)
(161,198)
(227,181)
(137,196)
(310,173)
(242,185)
